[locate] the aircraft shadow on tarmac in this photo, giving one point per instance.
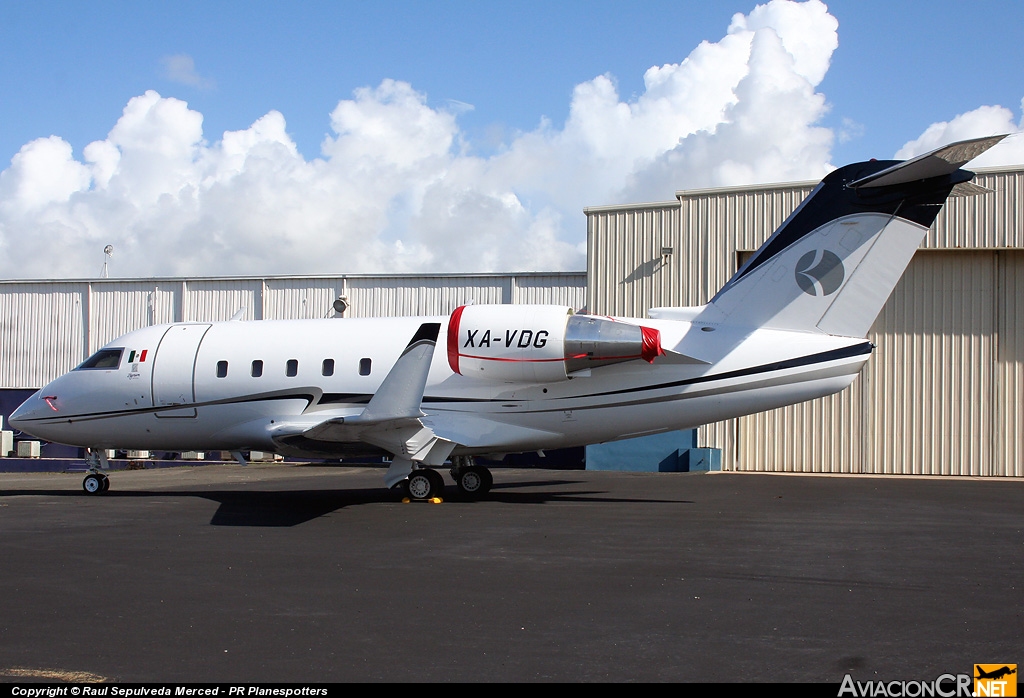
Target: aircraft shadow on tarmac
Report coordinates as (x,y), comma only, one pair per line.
(293,507)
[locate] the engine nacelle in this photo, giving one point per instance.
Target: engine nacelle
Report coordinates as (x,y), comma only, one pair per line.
(540,343)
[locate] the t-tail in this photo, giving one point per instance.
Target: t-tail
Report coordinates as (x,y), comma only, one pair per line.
(833,263)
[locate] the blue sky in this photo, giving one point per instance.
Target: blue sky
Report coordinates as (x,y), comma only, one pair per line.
(499,69)
(70,67)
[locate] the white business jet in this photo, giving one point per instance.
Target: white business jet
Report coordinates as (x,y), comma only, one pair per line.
(789,326)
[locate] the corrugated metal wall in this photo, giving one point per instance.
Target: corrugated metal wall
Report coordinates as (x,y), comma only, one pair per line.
(991,221)
(930,390)
(941,393)
(628,271)
(1009,425)
(42,329)
(430,296)
(48,327)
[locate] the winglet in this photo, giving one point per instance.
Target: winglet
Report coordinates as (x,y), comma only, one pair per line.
(401,393)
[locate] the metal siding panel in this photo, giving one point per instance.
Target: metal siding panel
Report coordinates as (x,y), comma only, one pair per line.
(42,331)
(804,438)
(627,273)
(993,220)
(932,376)
(298,299)
(427,295)
(165,303)
(214,300)
(1009,434)
(555,289)
(120,307)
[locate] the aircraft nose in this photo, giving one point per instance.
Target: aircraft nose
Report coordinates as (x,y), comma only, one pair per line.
(37,405)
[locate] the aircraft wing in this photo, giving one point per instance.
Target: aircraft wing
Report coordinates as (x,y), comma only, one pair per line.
(391,420)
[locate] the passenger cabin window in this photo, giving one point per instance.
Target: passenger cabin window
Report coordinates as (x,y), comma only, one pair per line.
(257,368)
(328,369)
(104,358)
(222,369)
(364,367)
(292,368)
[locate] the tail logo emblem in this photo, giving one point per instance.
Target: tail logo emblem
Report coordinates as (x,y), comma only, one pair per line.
(820,270)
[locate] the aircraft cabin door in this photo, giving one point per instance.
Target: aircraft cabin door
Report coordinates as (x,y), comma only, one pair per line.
(174,369)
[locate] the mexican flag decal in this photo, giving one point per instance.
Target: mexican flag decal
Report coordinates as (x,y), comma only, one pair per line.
(137,356)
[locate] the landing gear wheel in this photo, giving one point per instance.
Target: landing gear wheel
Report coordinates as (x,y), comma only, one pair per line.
(474,481)
(424,484)
(438,481)
(95,483)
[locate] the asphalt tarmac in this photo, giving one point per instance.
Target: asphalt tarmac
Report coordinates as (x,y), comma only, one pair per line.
(275,573)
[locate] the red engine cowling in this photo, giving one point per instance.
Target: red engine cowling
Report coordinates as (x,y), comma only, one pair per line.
(540,343)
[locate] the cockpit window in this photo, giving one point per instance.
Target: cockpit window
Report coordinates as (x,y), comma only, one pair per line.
(104,358)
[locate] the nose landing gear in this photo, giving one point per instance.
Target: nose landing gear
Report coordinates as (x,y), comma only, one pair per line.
(96,482)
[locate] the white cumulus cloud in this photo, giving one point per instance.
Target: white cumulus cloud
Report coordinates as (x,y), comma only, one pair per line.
(983,121)
(395,187)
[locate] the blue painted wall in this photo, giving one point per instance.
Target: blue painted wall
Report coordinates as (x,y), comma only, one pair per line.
(655,453)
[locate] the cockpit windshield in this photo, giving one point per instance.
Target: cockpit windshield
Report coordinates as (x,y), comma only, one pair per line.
(104,358)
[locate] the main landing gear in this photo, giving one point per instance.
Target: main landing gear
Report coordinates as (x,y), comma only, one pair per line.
(424,484)
(472,480)
(96,482)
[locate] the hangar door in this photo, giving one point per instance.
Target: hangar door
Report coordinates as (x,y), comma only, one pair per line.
(940,396)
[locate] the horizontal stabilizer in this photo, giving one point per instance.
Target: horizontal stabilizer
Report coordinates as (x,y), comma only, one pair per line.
(942,161)
(969,189)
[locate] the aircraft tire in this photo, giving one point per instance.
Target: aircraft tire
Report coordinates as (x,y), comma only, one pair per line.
(474,481)
(94,483)
(438,481)
(422,484)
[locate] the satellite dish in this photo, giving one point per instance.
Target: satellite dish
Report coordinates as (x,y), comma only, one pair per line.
(341,305)
(109,250)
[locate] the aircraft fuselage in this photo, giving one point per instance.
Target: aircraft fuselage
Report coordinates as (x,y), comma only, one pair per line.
(242,385)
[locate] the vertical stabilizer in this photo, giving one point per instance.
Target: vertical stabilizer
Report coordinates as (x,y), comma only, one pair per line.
(832,265)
